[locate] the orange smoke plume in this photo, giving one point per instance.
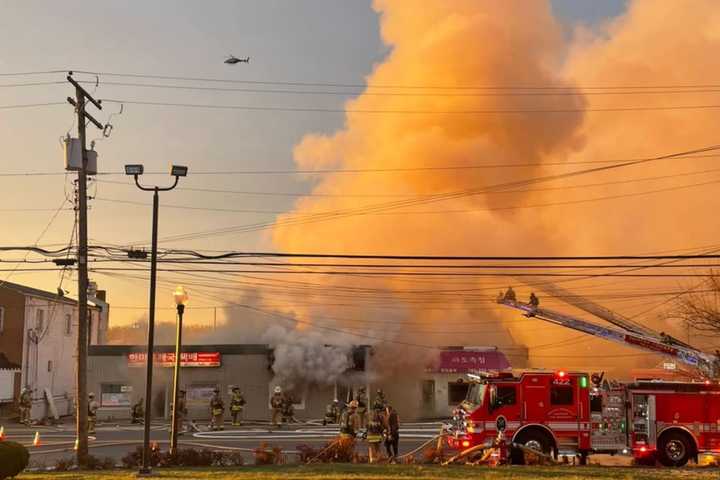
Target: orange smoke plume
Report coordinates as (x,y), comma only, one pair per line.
(443,55)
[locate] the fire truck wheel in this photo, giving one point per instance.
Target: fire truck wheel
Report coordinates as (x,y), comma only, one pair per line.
(534,439)
(674,449)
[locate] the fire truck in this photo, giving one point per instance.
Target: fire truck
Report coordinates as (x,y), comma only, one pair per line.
(559,411)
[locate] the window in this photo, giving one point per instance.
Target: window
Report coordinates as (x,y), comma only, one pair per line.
(115,395)
(2,319)
(561,395)
(506,396)
(200,393)
(50,365)
(39,320)
(68,324)
(457,392)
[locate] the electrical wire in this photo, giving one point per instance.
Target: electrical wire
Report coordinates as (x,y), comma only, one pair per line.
(415,111)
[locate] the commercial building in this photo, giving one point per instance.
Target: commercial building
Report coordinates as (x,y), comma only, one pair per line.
(38,339)
(116,373)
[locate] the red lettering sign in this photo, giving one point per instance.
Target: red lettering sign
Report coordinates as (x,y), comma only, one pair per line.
(187,359)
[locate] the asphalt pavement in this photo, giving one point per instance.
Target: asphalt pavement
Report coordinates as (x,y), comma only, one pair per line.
(117,439)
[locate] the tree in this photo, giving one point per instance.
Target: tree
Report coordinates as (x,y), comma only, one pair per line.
(699,307)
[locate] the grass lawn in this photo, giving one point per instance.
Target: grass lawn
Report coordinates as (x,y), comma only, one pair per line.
(343,471)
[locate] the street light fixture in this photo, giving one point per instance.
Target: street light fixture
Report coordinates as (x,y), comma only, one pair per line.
(135,170)
(181,299)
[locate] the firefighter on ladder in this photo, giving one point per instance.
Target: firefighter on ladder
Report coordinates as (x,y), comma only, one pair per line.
(138,411)
(237,403)
(510,295)
(276,404)
(92,413)
(217,411)
(534,300)
(25,406)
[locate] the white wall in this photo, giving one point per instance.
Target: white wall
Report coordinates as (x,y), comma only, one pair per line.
(6,385)
(54,345)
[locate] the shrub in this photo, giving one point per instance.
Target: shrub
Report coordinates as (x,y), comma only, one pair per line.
(134,458)
(266,455)
(64,464)
(14,459)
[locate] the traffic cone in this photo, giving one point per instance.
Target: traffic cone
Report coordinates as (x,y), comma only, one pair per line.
(2,433)
(36,440)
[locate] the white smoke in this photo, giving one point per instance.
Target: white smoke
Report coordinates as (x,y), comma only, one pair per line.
(307,357)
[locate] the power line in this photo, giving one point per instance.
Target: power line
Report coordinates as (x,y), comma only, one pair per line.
(356,170)
(391,86)
(420,195)
(370,91)
(412,112)
(31,105)
(378,207)
(428,212)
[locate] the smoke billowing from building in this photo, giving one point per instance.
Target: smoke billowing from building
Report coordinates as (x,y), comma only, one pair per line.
(443,51)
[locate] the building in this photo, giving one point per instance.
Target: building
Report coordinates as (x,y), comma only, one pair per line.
(116,373)
(38,335)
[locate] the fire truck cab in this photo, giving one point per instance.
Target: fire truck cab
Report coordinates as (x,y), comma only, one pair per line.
(670,422)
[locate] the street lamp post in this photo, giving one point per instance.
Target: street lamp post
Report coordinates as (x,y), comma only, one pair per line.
(137,170)
(181,298)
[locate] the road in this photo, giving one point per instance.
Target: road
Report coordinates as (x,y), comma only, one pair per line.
(115,440)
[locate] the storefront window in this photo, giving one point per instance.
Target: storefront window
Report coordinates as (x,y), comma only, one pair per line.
(115,395)
(200,393)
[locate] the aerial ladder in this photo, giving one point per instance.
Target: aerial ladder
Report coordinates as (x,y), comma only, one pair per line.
(589,306)
(705,364)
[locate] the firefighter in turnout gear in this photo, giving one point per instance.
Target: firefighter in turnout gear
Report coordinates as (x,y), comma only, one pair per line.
(25,406)
(510,294)
(217,410)
(92,413)
(182,411)
(375,430)
(288,409)
(350,421)
(362,406)
(534,300)
(332,412)
(237,403)
(276,403)
(138,411)
(379,403)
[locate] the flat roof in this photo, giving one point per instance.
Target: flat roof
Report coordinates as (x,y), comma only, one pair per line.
(227,349)
(36,292)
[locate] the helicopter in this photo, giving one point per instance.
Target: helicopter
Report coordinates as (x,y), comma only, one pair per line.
(232,60)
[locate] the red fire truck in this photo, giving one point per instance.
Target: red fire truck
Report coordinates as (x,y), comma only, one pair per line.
(669,422)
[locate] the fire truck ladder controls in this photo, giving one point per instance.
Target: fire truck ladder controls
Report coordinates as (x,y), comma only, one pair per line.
(705,364)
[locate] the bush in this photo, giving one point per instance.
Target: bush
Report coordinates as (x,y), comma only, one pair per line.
(266,455)
(14,459)
(134,459)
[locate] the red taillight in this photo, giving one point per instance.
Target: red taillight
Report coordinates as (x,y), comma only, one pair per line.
(465,443)
(643,449)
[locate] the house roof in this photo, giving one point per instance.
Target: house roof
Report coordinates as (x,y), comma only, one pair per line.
(34,292)
(6,364)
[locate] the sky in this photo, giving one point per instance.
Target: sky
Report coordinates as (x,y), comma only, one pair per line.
(358,43)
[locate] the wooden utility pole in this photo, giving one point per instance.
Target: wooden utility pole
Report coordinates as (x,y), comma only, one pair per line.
(82,256)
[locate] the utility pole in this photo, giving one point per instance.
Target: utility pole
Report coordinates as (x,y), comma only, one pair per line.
(82,255)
